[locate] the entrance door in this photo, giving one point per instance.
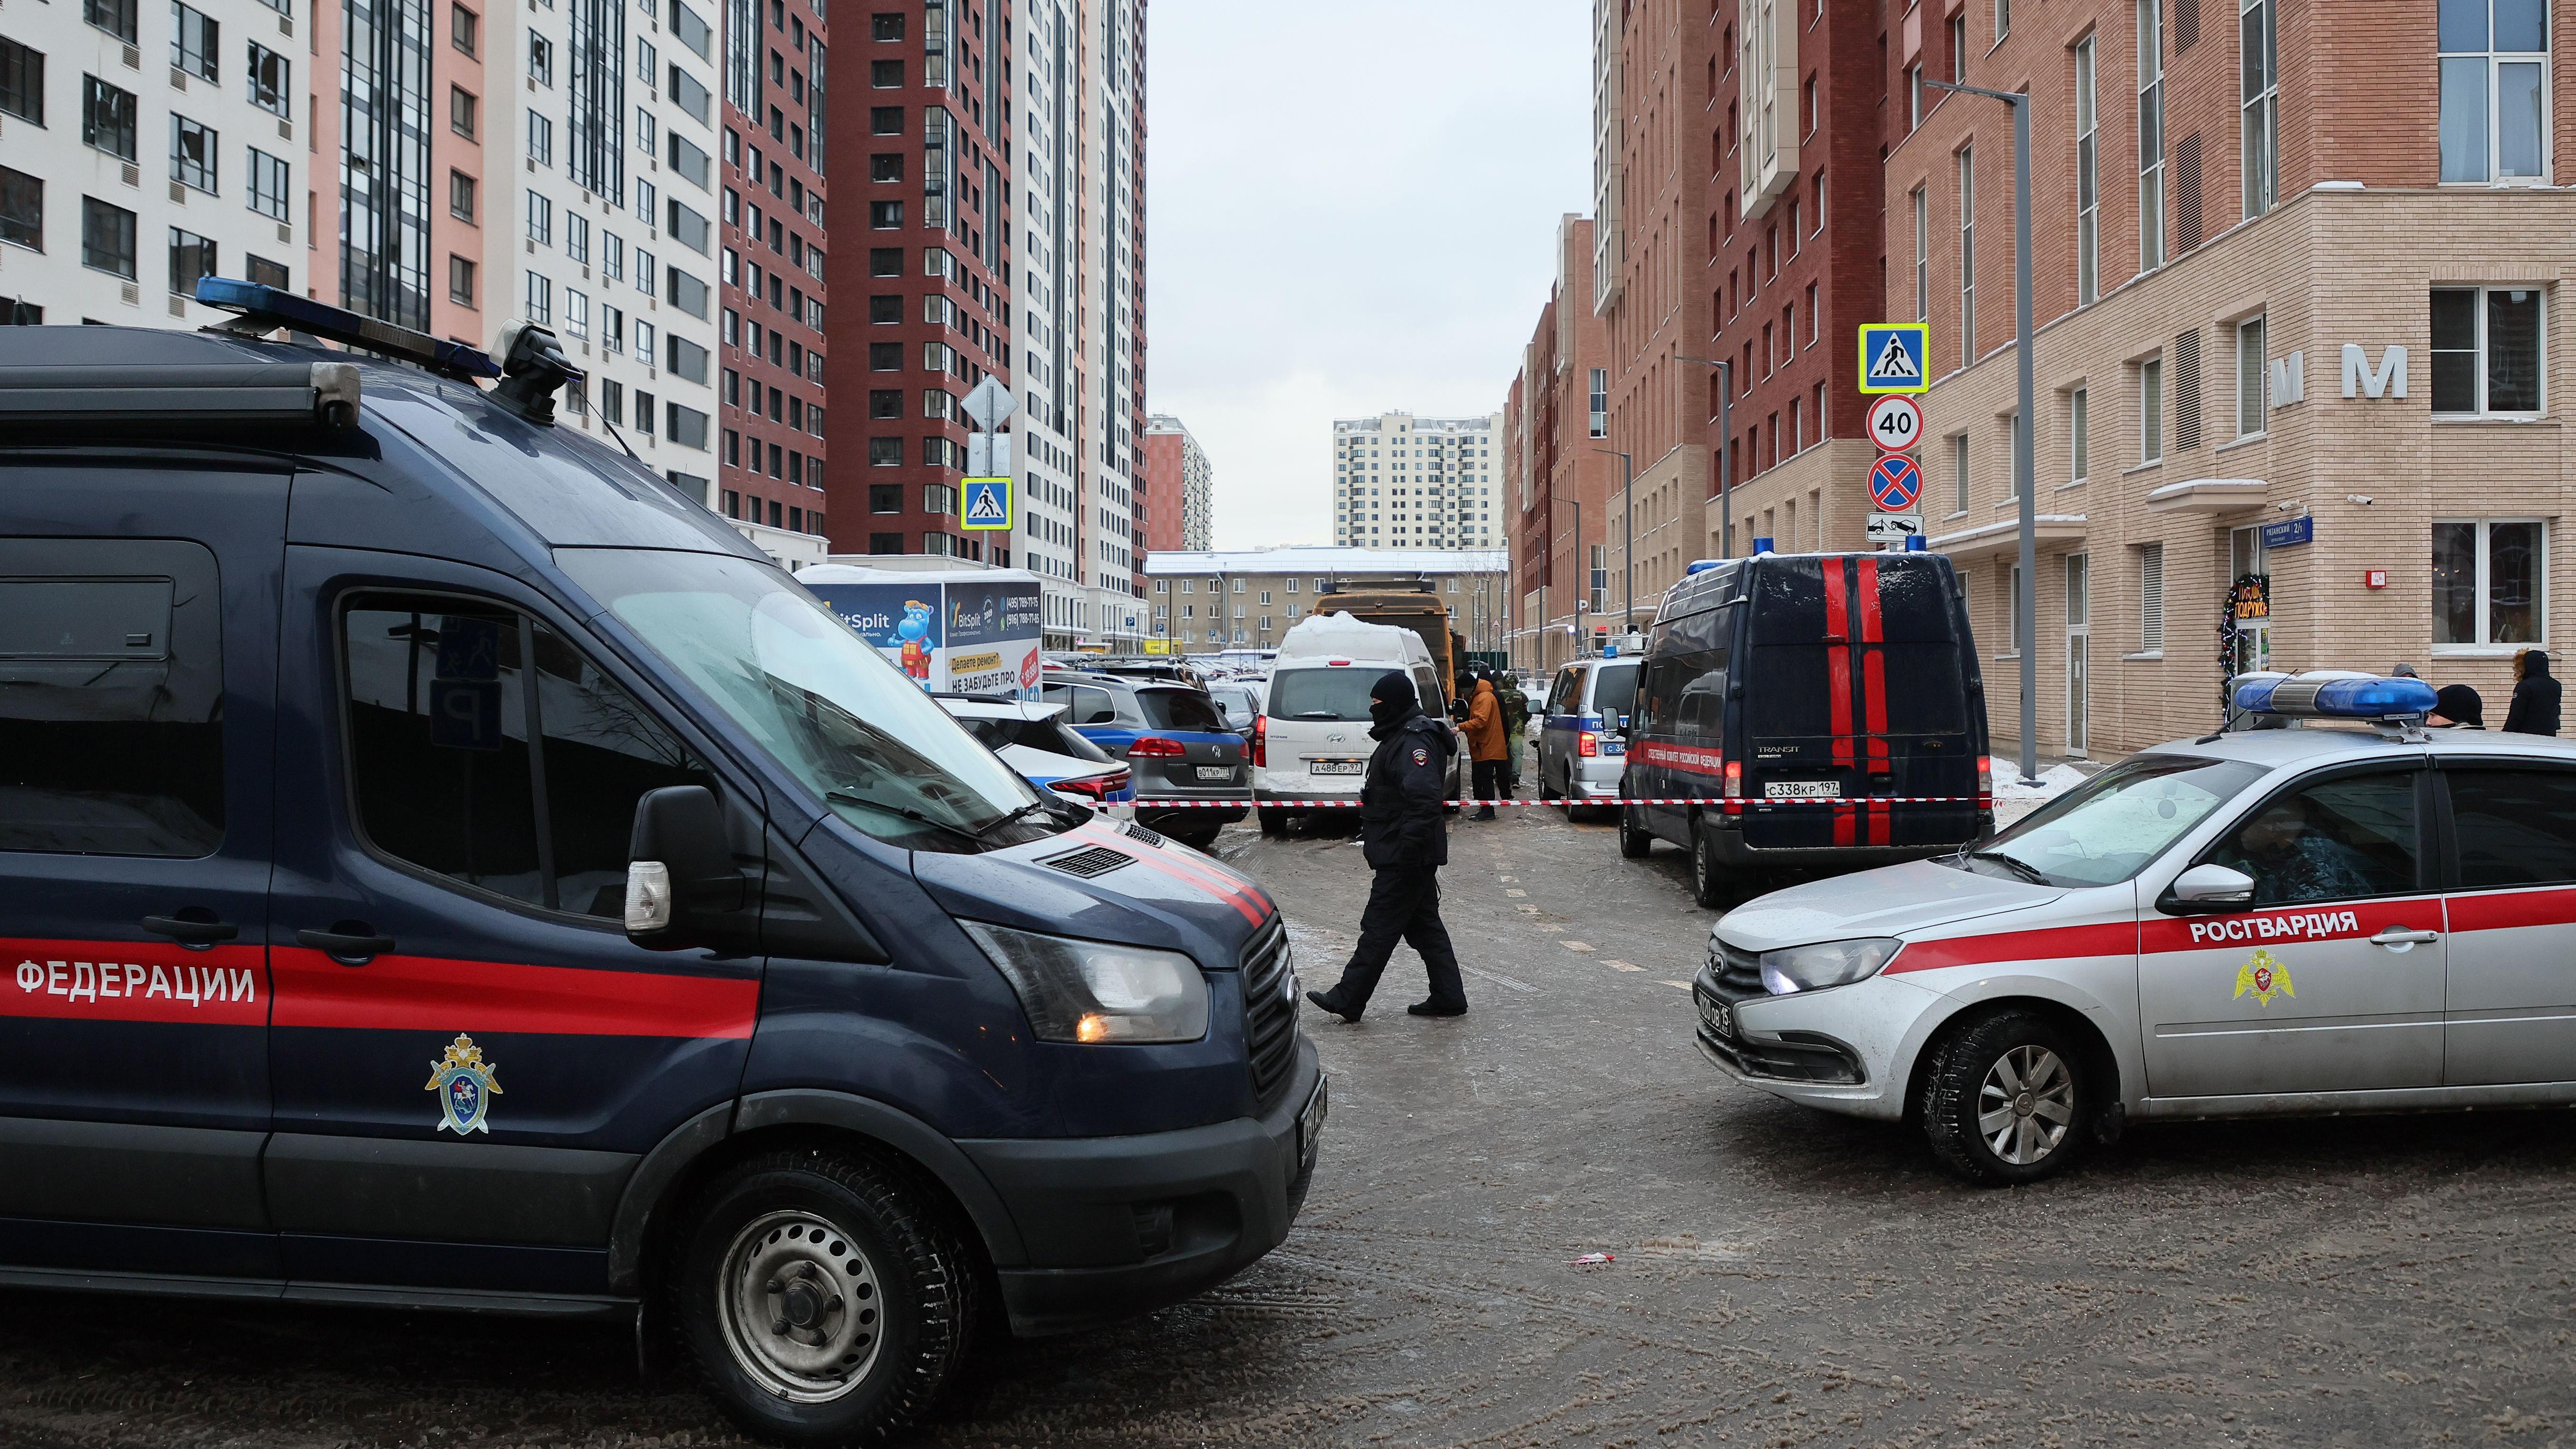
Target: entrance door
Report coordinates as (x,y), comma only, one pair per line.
(469,1053)
(2334,980)
(2078,629)
(2245,555)
(137,690)
(2512,998)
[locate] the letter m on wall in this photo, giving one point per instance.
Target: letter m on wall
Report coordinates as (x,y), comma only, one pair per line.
(2360,380)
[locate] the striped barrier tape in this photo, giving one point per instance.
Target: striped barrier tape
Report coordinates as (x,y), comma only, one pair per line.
(1147,802)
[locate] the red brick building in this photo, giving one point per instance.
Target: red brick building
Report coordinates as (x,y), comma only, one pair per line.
(1175,492)
(1560,486)
(919,230)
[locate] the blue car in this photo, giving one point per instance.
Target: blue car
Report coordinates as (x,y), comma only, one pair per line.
(453,869)
(1180,749)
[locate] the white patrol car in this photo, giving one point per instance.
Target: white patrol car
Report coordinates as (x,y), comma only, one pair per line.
(2351,914)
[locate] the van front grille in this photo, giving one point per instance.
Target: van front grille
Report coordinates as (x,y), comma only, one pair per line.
(1269,1014)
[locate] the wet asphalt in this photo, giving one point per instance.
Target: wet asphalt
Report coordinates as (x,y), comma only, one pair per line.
(1780,1277)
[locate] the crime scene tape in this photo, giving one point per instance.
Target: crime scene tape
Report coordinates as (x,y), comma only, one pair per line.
(1853,801)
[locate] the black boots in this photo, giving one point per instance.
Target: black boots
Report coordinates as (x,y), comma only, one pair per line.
(1435,1008)
(1332,1005)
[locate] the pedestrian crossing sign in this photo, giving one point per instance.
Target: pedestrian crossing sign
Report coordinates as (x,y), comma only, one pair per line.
(984,503)
(1894,356)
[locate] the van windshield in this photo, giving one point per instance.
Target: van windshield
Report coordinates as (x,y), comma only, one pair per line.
(1323,694)
(2112,826)
(822,702)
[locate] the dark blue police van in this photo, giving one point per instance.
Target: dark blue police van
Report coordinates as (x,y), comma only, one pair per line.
(1808,711)
(442,866)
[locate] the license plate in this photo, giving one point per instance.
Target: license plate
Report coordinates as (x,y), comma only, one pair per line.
(1216,772)
(1310,1122)
(1802,790)
(1335,767)
(1716,1017)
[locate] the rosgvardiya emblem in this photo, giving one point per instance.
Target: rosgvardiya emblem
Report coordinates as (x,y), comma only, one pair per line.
(2263,976)
(463,1082)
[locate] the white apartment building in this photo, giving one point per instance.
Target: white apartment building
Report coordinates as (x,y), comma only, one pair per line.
(605,229)
(1076,262)
(145,144)
(1401,481)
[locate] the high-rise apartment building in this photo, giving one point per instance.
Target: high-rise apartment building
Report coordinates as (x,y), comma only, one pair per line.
(1179,491)
(771,273)
(1401,481)
(2295,271)
(917,256)
(147,143)
(1559,478)
(1650,256)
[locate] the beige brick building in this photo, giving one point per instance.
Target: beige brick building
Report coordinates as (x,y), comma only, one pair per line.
(2320,297)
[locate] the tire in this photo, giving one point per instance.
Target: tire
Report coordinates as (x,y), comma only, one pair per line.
(1995,1081)
(1709,876)
(1634,842)
(1273,822)
(874,1273)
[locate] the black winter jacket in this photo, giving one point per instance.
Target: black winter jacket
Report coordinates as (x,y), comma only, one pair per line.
(1401,820)
(2534,710)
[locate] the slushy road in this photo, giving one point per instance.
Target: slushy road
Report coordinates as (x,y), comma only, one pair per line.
(1781,1278)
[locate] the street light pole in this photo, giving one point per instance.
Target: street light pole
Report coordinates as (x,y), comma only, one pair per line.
(2025,608)
(1725,451)
(1627,538)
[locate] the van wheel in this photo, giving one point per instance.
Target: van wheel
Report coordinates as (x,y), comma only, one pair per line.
(1273,822)
(1634,841)
(2005,1100)
(1709,877)
(822,1298)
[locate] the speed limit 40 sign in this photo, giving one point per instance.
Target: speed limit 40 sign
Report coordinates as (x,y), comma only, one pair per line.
(1895,423)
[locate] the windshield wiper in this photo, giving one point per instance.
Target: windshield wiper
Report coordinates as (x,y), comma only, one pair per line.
(2022,868)
(1023,812)
(908,813)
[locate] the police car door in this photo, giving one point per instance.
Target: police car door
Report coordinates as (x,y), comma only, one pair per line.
(138,623)
(468,1050)
(1557,732)
(2512,997)
(2333,979)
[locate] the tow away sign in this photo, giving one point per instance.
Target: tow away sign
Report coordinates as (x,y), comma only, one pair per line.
(1895,356)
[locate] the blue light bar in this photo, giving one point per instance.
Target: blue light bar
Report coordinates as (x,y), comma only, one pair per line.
(268,305)
(1701,566)
(2336,698)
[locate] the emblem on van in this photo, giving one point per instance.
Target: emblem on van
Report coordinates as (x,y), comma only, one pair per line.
(1336,738)
(2263,976)
(463,1082)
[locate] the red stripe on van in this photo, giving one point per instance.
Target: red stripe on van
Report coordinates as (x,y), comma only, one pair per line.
(2052,944)
(420,993)
(1233,894)
(1838,678)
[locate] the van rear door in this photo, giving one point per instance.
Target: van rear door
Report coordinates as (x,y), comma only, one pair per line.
(1857,690)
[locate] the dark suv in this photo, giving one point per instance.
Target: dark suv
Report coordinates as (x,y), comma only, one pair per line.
(1175,743)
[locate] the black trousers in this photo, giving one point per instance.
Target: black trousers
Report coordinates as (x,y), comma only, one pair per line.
(1404,903)
(1489,779)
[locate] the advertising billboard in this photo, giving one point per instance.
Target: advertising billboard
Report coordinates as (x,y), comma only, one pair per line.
(968,632)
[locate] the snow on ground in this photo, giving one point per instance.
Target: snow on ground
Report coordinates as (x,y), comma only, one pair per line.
(2016,797)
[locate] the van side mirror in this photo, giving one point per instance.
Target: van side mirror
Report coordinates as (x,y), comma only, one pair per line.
(2211,888)
(682,889)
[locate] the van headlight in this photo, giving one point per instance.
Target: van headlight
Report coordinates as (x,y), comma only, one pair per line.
(1793,969)
(1092,991)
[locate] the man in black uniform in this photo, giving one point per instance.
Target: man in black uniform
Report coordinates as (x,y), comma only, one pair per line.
(1406,840)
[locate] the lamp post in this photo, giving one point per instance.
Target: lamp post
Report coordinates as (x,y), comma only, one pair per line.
(2025,624)
(1725,450)
(1627,538)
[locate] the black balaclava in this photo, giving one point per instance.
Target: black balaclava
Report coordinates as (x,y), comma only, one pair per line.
(1391,702)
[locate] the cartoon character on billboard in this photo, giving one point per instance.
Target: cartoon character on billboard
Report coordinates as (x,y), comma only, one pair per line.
(914,631)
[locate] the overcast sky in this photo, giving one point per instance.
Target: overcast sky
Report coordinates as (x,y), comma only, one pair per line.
(1351,209)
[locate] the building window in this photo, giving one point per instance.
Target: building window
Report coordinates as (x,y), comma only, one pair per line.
(107,118)
(271,86)
(268,185)
(1600,402)
(2249,377)
(1922,255)
(460,281)
(193,154)
(2151,135)
(2489,582)
(2487,350)
(2151,410)
(2259,75)
(1913,98)
(191,257)
(2151,598)
(2079,436)
(1958,47)
(107,237)
(22,82)
(194,41)
(462,28)
(541,304)
(1959,472)
(2088,194)
(460,111)
(22,209)
(116,17)
(2495,90)
(1967,256)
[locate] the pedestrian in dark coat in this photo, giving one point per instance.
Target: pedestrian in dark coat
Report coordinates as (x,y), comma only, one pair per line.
(2534,710)
(1405,838)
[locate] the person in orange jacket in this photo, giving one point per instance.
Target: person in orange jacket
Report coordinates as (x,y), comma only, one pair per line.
(1487,745)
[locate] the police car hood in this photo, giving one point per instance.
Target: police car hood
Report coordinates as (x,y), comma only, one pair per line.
(1106,881)
(1890,901)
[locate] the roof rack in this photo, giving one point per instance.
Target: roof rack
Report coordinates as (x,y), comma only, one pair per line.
(147,395)
(265,309)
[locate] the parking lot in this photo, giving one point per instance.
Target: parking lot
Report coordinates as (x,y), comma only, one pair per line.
(1781,1277)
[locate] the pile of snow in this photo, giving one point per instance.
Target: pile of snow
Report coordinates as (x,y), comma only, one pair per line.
(2016,797)
(1339,636)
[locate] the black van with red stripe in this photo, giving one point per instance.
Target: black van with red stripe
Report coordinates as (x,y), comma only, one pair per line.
(443,865)
(1808,710)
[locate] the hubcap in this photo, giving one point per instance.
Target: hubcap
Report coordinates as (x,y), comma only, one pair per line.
(2025,1105)
(800,1306)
